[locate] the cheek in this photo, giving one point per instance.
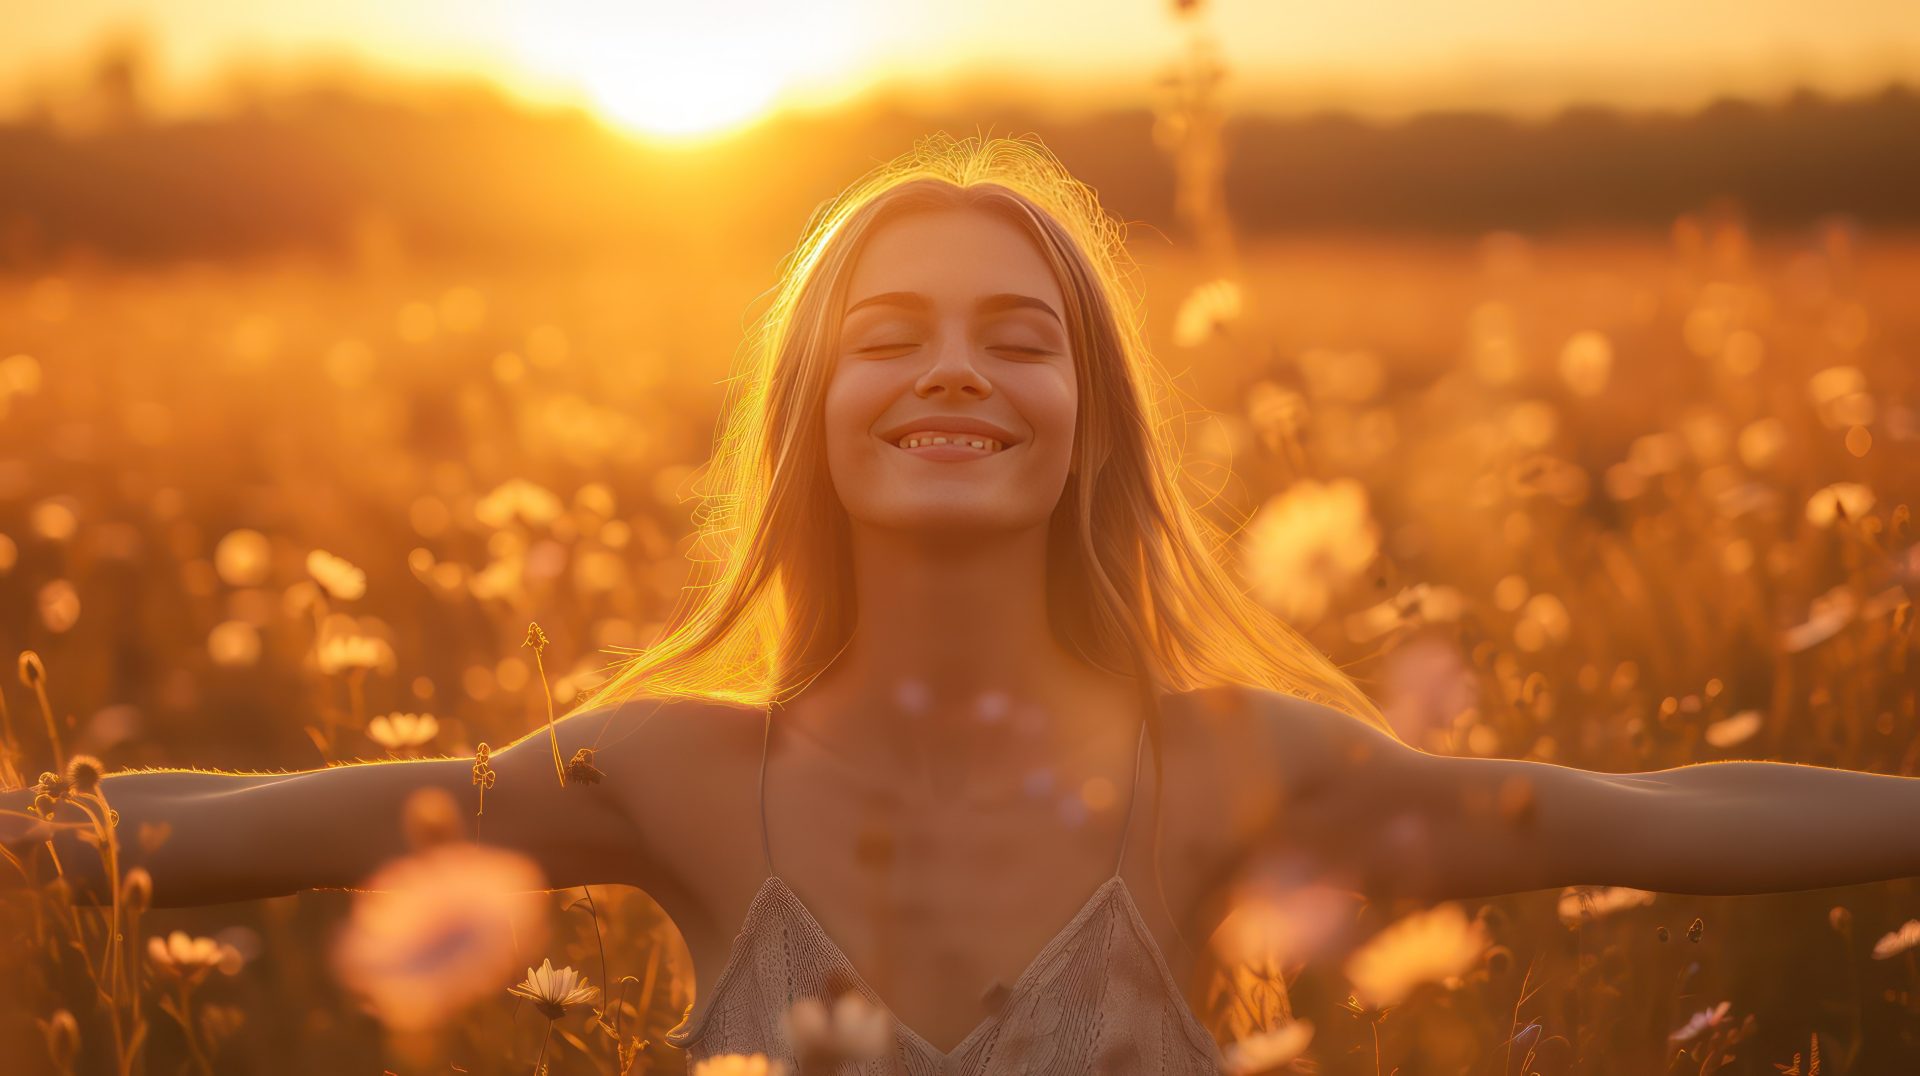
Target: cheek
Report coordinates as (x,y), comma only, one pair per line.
(1050,403)
(850,408)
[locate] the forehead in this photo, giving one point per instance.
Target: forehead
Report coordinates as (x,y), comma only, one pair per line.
(952,256)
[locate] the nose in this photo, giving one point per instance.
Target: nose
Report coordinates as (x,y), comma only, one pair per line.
(954,370)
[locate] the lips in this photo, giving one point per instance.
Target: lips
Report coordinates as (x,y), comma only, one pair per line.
(964,425)
(950,450)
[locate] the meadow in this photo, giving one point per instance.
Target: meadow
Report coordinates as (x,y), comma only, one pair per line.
(1624,501)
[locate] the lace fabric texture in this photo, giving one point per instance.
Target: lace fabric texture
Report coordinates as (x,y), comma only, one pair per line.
(1099,997)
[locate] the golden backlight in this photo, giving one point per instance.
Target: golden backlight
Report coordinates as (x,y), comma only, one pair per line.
(692,70)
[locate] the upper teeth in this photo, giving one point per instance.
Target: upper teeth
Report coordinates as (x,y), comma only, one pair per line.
(913,440)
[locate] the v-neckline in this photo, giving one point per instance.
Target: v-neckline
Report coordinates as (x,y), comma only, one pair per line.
(1020,982)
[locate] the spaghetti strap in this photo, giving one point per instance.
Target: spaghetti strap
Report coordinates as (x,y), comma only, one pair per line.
(1133,787)
(766,846)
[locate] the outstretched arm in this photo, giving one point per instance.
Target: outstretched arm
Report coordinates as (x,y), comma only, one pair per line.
(237,836)
(1391,819)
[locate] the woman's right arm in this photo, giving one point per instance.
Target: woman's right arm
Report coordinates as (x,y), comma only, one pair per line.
(238,836)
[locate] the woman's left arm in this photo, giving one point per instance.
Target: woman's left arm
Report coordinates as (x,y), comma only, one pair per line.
(1391,819)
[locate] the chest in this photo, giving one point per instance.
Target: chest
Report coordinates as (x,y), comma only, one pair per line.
(941,909)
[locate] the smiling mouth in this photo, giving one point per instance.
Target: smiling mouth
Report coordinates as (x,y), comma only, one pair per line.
(940,449)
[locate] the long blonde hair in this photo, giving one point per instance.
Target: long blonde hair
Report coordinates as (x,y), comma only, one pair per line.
(1134,586)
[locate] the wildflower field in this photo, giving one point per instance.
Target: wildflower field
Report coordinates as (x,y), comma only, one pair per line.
(1622,501)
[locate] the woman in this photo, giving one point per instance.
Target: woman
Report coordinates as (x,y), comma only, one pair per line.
(953,594)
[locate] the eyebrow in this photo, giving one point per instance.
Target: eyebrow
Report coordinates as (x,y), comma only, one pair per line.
(991,304)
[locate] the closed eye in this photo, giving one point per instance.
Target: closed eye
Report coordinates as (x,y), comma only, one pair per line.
(997,347)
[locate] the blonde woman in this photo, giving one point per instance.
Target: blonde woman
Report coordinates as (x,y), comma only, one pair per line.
(953,596)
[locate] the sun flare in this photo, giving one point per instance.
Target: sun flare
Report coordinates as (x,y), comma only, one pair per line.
(692,70)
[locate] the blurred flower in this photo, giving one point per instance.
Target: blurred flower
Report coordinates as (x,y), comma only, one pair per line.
(1275,412)
(344,652)
(19,375)
(341,578)
(1704,1020)
(1898,941)
(519,498)
(739,1065)
(1839,395)
(401,731)
(234,643)
(1850,499)
(1734,730)
(1351,376)
(1656,453)
(853,1029)
(184,958)
(1427,685)
(59,605)
(1436,945)
(1829,613)
(498,579)
(1268,1051)
(1580,904)
(53,519)
(1543,620)
(437,930)
(1206,310)
(1280,914)
(1760,442)
(1305,542)
(62,1033)
(243,557)
(430,815)
(1414,606)
(1586,361)
(554,990)
(1493,342)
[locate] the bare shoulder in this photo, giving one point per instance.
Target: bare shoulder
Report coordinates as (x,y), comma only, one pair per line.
(678,766)
(1277,765)
(651,729)
(1239,725)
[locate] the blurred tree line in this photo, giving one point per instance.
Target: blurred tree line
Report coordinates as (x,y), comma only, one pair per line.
(348,167)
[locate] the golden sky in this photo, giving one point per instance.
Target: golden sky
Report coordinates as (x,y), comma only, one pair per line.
(699,65)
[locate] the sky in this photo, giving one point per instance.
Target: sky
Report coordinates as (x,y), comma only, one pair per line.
(698,65)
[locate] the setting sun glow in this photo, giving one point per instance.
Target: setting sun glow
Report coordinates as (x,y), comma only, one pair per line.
(692,70)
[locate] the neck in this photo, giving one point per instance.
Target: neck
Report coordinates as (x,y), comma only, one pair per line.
(953,679)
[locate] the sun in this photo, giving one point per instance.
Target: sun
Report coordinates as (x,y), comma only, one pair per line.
(691,70)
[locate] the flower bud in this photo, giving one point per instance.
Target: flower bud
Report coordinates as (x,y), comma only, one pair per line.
(63,1038)
(33,672)
(53,786)
(136,891)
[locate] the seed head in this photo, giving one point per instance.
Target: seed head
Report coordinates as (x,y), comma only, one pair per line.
(536,638)
(84,772)
(581,769)
(33,671)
